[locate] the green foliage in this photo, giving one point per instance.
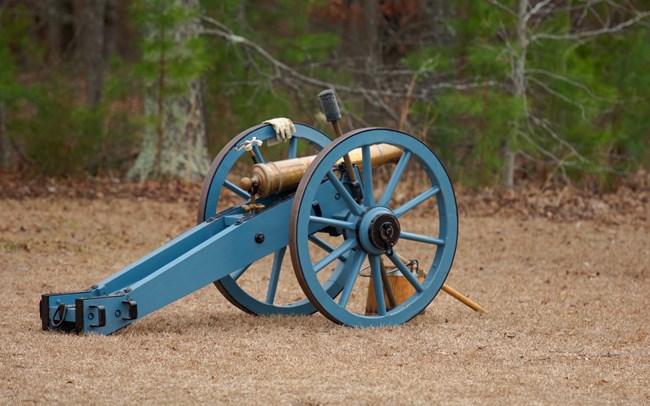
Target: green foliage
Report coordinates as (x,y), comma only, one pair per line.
(585,107)
(15,47)
(120,121)
(240,91)
(173,59)
(45,119)
(173,55)
(471,128)
(60,137)
(629,118)
(57,137)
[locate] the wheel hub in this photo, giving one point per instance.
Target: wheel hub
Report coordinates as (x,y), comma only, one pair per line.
(378,230)
(384,231)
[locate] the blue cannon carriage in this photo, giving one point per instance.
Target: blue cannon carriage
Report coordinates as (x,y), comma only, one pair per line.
(338,221)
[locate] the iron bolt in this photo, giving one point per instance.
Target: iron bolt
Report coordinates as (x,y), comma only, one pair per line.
(386,231)
(259,238)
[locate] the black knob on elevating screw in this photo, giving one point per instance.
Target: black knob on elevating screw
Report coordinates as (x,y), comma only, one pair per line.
(330,105)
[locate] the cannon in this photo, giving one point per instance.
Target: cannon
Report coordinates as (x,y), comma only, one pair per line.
(335,212)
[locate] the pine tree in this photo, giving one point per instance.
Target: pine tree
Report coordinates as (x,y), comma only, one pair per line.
(174,58)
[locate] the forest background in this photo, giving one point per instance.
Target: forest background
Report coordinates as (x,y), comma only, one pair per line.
(505,92)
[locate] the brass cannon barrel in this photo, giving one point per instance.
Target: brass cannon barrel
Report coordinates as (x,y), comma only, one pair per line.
(285,175)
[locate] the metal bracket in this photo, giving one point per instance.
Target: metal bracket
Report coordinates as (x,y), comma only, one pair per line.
(60,311)
(249,144)
(101,315)
(133,310)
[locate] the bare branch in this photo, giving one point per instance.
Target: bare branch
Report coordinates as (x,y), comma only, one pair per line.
(560,96)
(216,23)
(276,64)
(538,7)
(538,147)
(282,71)
(593,33)
(571,82)
(502,7)
(547,153)
(461,86)
(544,124)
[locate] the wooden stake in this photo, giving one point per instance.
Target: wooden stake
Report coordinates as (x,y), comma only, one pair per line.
(386,284)
(463,299)
(455,294)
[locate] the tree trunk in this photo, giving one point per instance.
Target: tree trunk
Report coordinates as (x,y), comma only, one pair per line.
(5,145)
(370,50)
(183,153)
(111,29)
(370,35)
(519,92)
(53,13)
(437,11)
(174,142)
(93,50)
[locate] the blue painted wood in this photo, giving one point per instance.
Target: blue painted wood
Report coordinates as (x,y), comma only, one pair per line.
(275,275)
(223,246)
(293,148)
(213,188)
(212,250)
(207,252)
(375,269)
(303,222)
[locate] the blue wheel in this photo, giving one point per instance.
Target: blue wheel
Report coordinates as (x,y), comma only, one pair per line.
(393,220)
(221,191)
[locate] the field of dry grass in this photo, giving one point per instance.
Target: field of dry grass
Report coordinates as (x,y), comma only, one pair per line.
(568,320)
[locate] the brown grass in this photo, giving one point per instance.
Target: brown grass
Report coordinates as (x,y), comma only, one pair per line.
(568,320)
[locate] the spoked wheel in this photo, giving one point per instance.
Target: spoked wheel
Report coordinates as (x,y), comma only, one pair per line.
(220,191)
(406,219)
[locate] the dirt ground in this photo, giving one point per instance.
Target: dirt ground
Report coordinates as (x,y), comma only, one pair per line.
(568,319)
